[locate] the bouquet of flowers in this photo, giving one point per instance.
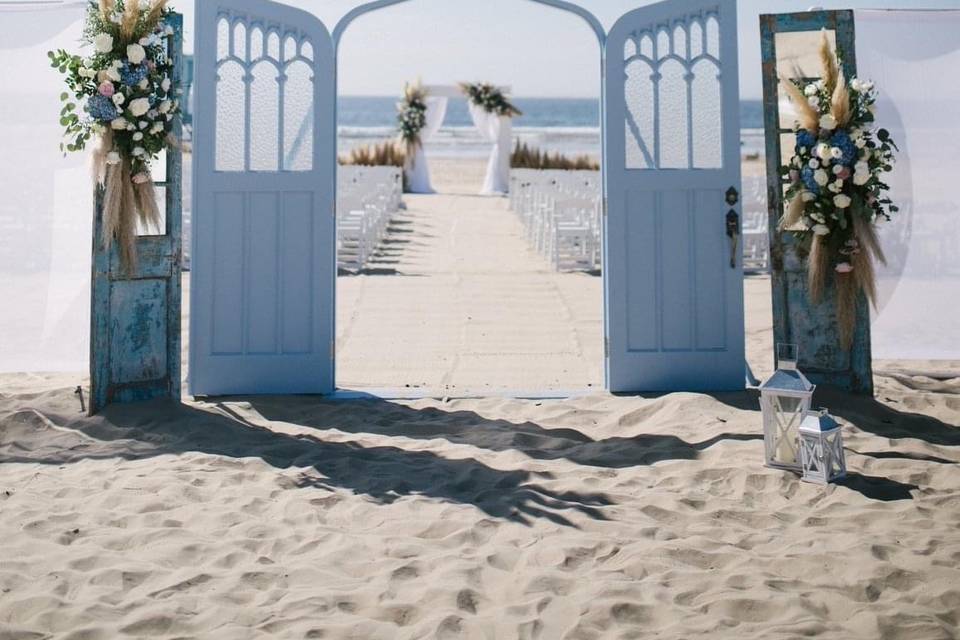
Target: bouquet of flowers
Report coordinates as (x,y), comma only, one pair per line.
(412,117)
(835,190)
(122,97)
(490,98)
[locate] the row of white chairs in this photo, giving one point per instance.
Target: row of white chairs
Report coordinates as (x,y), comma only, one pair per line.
(560,211)
(367,198)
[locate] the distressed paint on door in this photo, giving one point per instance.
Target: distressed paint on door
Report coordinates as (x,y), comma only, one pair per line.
(264,186)
(674,301)
(135,316)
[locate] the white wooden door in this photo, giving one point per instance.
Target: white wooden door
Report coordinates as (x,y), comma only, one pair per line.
(672,151)
(262,285)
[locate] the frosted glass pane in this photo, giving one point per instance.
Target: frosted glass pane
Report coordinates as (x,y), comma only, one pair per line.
(240,40)
(231,119)
(630,49)
(663,44)
(306,50)
(680,41)
(273,45)
(298,118)
(256,43)
(713,37)
(264,113)
(674,131)
(289,49)
(696,38)
(646,45)
(638,91)
(707,116)
(223,39)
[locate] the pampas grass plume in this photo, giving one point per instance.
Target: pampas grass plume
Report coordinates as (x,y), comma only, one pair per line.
(807,116)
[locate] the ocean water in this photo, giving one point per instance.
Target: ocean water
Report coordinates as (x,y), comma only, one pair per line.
(565,125)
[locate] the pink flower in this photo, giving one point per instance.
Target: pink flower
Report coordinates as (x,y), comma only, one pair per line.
(844,267)
(843,175)
(106,89)
(141,178)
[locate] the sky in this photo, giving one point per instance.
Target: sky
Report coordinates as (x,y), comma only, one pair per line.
(537,51)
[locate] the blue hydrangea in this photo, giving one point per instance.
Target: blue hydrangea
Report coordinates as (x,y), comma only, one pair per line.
(132,74)
(841,140)
(102,108)
(807,176)
(805,139)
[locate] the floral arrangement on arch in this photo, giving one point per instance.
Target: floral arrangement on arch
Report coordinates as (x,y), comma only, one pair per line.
(122,96)
(490,98)
(412,117)
(836,194)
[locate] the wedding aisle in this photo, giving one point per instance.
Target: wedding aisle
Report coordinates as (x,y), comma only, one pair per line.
(457,303)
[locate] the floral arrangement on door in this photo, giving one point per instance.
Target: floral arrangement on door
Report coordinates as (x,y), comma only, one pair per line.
(490,98)
(121,96)
(412,117)
(836,194)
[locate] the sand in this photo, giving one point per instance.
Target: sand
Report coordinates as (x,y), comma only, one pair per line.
(592,517)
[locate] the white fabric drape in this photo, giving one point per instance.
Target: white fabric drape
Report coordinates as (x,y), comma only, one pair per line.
(418,171)
(499,131)
(912,56)
(45,201)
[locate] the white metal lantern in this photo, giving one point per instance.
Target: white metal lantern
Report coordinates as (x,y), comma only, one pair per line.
(821,448)
(784,401)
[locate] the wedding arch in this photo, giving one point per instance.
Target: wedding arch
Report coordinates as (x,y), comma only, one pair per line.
(496,130)
(264,311)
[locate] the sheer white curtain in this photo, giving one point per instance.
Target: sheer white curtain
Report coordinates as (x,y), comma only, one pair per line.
(498,130)
(45,200)
(418,172)
(913,57)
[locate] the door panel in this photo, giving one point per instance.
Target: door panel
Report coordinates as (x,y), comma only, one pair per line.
(675,304)
(264,240)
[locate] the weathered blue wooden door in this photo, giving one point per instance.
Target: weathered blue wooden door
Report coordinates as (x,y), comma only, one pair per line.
(262,296)
(135,312)
(674,286)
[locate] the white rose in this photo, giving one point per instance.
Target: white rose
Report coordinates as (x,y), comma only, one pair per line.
(118,124)
(131,127)
(861,179)
(157,127)
(836,153)
(113,74)
(823,151)
(137,137)
(113,158)
(135,53)
(808,196)
(164,106)
(118,99)
(143,42)
(103,43)
(143,124)
(139,106)
(841,201)
(860,142)
(165,85)
(143,84)
(811,90)
(814,163)
(837,169)
(828,122)
(861,167)
(820,177)
(138,151)
(821,229)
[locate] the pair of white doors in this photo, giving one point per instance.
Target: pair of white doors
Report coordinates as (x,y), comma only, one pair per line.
(264,263)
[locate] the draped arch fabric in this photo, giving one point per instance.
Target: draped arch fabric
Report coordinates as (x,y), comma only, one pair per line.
(497,130)
(418,173)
